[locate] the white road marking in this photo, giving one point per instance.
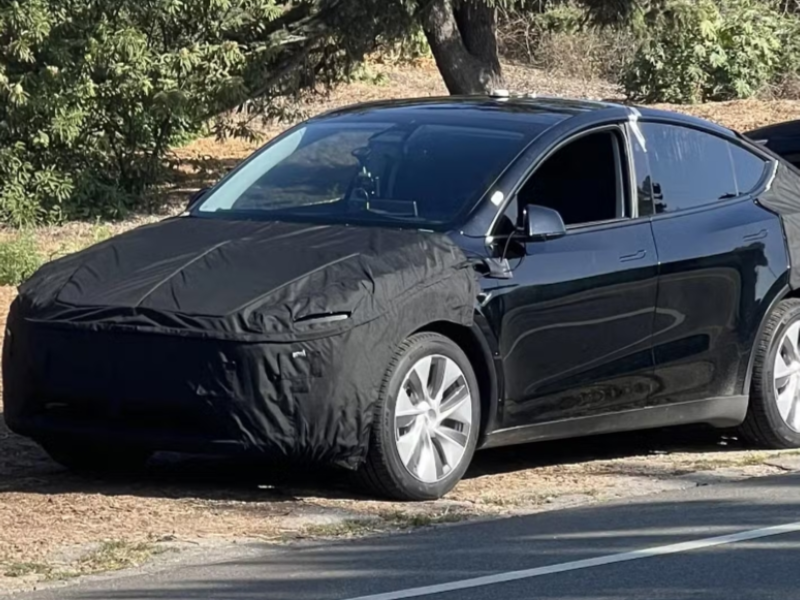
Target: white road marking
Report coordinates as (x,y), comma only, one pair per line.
(584,564)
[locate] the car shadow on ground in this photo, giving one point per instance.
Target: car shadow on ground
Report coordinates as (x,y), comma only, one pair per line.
(25,467)
(687,440)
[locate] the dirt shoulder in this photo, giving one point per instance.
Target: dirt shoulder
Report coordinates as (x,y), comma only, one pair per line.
(54,525)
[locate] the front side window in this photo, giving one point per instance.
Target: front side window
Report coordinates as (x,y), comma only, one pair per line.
(689,168)
(584,181)
(420,174)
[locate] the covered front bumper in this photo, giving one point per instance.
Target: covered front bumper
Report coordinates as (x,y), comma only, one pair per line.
(306,401)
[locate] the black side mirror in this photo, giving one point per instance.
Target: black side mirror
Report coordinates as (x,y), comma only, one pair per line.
(542,223)
(196,196)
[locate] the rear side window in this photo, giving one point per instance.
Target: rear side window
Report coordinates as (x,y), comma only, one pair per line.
(748,168)
(689,168)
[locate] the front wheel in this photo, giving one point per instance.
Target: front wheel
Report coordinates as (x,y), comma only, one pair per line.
(426,421)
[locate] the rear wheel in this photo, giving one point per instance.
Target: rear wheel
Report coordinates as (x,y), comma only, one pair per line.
(426,423)
(773,416)
(97,459)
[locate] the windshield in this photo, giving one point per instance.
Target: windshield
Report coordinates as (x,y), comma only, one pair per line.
(418,174)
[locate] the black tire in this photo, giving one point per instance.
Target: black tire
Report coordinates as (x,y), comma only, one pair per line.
(764,427)
(384,473)
(97,459)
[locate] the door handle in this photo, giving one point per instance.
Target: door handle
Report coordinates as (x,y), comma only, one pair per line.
(635,256)
(752,237)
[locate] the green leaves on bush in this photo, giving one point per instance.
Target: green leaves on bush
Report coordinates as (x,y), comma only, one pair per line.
(701,50)
(94,92)
(19,259)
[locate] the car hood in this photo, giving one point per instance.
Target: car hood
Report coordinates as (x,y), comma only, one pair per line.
(241,277)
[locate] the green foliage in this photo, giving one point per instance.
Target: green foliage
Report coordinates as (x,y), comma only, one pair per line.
(561,18)
(700,50)
(94,92)
(19,258)
(408,48)
(364,73)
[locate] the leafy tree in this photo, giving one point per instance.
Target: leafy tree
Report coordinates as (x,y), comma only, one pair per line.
(94,92)
(699,50)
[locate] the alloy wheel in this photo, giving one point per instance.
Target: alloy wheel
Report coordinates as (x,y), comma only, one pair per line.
(787,377)
(433,418)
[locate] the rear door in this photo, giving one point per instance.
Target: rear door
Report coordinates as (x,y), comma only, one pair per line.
(715,246)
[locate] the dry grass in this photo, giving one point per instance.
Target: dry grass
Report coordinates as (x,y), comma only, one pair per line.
(110,555)
(583,53)
(46,512)
(115,555)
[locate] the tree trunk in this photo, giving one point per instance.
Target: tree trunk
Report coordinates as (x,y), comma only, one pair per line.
(477,22)
(462,37)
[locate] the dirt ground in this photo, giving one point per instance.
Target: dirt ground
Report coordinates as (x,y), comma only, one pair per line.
(54,525)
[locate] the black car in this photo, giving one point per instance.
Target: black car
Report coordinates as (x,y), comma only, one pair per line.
(389,287)
(781,138)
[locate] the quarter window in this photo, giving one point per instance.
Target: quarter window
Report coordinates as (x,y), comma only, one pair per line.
(689,168)
(748,167)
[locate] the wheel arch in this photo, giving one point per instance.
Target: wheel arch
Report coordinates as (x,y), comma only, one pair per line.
(479,352)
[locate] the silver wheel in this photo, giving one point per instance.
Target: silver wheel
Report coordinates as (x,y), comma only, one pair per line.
(787,377)
(433,418)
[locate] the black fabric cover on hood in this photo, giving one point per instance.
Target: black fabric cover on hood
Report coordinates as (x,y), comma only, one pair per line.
(783,197)
(271,336)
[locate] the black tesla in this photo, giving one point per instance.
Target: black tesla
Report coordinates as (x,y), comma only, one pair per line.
(389,287)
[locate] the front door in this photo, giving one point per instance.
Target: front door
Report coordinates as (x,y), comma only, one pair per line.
(575,322)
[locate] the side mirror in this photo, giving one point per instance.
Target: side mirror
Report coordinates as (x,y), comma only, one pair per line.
(543,223)
(196,196)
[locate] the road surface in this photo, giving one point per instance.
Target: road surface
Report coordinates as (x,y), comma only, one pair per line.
(727,542)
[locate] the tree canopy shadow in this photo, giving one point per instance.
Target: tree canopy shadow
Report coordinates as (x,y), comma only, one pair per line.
(382,565)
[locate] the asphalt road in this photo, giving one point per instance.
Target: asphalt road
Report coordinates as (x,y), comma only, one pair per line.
(726,542)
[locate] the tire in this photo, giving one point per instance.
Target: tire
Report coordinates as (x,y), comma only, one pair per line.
(385,472)
(766,426)
(97,459)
